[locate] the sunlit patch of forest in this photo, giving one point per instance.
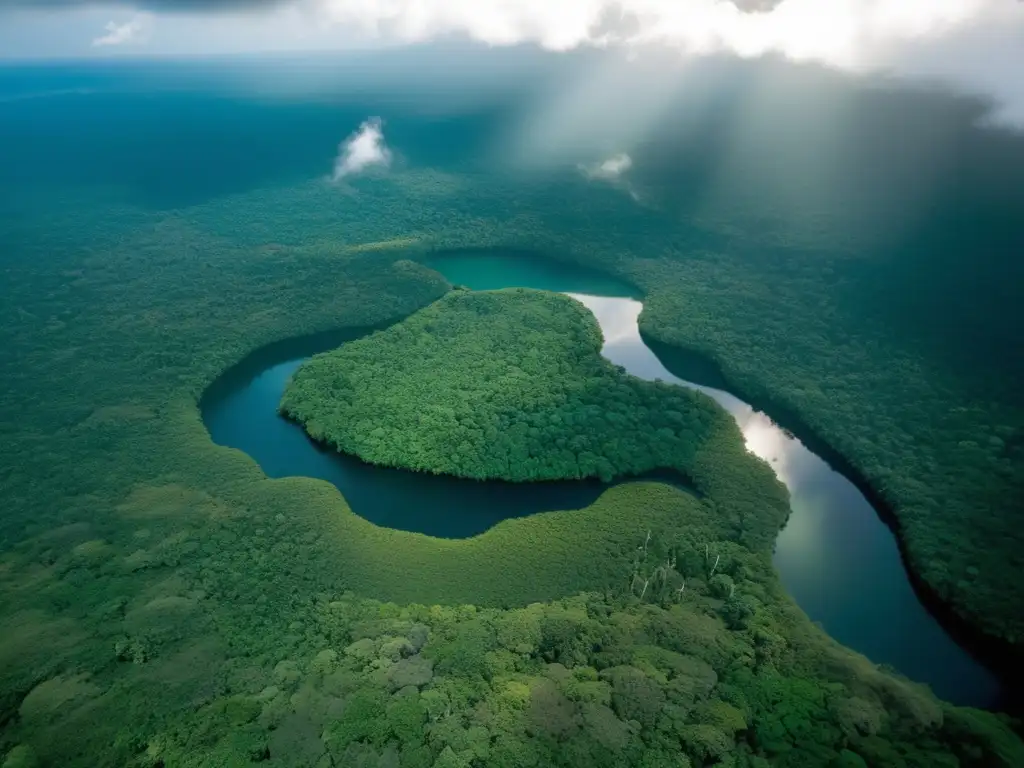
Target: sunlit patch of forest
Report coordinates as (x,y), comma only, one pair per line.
(164,603)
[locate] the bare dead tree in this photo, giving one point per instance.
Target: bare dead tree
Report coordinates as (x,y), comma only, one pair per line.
(713,567)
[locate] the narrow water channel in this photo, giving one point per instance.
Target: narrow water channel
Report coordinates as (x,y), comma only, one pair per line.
(243,414)
(835,556)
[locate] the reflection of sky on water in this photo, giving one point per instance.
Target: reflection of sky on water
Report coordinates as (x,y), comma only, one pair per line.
(835,556)
(623,346)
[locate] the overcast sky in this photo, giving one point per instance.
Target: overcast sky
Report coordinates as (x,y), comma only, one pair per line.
(977,45)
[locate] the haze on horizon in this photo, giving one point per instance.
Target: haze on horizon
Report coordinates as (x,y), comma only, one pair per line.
(976,46)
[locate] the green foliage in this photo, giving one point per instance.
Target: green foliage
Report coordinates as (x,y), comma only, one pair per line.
(848,759)
(519,632)
(406,717)
(413,671)
(497,385)
(22,756)
(707,743)
(635,697)
(923,430)
(363,719)
(467,650)
(164,603)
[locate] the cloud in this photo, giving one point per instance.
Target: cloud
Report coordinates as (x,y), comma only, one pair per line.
(840,31)
(136,30)
(613,170)
(976,45)
(361,150)
(610,169)
(161,6)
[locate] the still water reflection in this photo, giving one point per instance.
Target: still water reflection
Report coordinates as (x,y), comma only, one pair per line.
(835,556)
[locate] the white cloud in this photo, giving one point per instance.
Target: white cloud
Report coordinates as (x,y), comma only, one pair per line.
(841,32)
(942,39)
(361,150)
(136,30)
(976,45)
(555,25)
(610,169)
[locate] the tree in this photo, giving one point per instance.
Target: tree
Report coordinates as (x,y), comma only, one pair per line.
(634,695)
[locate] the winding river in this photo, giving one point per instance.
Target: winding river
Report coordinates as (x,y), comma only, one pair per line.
(835,556)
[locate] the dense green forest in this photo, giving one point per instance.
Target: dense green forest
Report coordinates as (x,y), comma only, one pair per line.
(504,385)
(804,328)
(164,603)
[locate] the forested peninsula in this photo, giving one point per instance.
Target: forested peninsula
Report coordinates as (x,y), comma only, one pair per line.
(503,385)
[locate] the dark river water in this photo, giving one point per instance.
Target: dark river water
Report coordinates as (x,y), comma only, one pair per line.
(835,556)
